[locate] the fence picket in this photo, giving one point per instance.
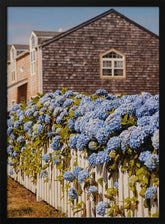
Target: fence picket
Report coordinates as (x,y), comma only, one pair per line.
(51,192)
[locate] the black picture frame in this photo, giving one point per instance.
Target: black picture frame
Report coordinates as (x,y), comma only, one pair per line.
(4,4)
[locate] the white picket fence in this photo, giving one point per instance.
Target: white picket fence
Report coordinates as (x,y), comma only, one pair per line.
(51,191)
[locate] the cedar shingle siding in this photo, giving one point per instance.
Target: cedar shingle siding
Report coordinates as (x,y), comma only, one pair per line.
(73,60)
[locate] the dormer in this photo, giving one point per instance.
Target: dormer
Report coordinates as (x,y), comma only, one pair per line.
(13,54)
(33,44)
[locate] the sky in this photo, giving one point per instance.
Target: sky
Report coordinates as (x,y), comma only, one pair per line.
(22,20)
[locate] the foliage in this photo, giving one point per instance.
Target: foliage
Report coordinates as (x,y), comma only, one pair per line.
(113,131)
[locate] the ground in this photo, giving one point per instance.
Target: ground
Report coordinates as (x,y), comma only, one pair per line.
(22,203)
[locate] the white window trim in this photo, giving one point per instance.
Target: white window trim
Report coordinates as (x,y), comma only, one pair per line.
(123,59)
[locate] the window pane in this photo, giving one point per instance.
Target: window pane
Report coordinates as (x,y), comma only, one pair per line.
(118,64)
(33,42)
(106,64)
(34,55)
(112,54)
(118,72)
(107,72)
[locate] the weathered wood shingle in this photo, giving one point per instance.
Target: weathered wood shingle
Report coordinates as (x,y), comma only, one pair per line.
(72,60)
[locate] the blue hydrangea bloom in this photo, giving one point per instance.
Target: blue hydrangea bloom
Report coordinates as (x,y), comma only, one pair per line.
(29,112)
(82,142)
(23,149)
(101,136)
(68,93)
(102,157)
(71,123)
(68,176)
(11,172)
(145,120)
(44,173)
(10,148)
(92,189)
(101,92)
(125,137)
(113,143)
(116,185)
(144,156)
(46,157)
(114,123)
(56,145)
(76,170)
(9,131)
(92,159)
(100,208)
(27,125)
(152,161)
(20,139)
(40,128)
(47,118)
(137,137)
(57,93)
(150,192)
(17,124)
(72,192)
(29,133)
(10,122)
(82,175)
(68,102)
(73,141)
(56,161)
(35,114)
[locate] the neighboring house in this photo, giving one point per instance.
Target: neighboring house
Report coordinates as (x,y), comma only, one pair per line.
(109,51)
(23,68)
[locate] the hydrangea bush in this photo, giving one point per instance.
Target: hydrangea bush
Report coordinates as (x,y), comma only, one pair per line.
(113,131)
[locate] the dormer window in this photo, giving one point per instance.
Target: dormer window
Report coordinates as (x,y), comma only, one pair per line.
(112,64)
(33,42)
(33,56)
(12,54)
(13,64)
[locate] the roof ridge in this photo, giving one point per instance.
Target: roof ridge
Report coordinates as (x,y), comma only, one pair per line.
(63,34)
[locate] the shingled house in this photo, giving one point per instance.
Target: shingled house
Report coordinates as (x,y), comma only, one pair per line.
(109,51)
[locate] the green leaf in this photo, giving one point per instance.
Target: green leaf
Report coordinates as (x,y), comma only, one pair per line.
(142,192)
(129,213)
(100,181)
(155,214)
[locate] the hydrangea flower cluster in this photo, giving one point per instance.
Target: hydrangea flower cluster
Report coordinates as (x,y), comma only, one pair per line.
(150,192)
(102,125)
(46,158)
(72,192)
(150,160)
(68,176)
(44,173)
(92,189)
(82,175)
(101,207)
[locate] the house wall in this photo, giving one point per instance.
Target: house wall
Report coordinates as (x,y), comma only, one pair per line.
(32,80)
(73,60)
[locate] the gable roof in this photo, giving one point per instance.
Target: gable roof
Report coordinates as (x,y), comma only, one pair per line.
(21,46)
(45,33)
(91,21)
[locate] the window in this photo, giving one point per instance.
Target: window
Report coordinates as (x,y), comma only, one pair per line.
(33,42)
(13,65)
(33,56)
(112,64)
